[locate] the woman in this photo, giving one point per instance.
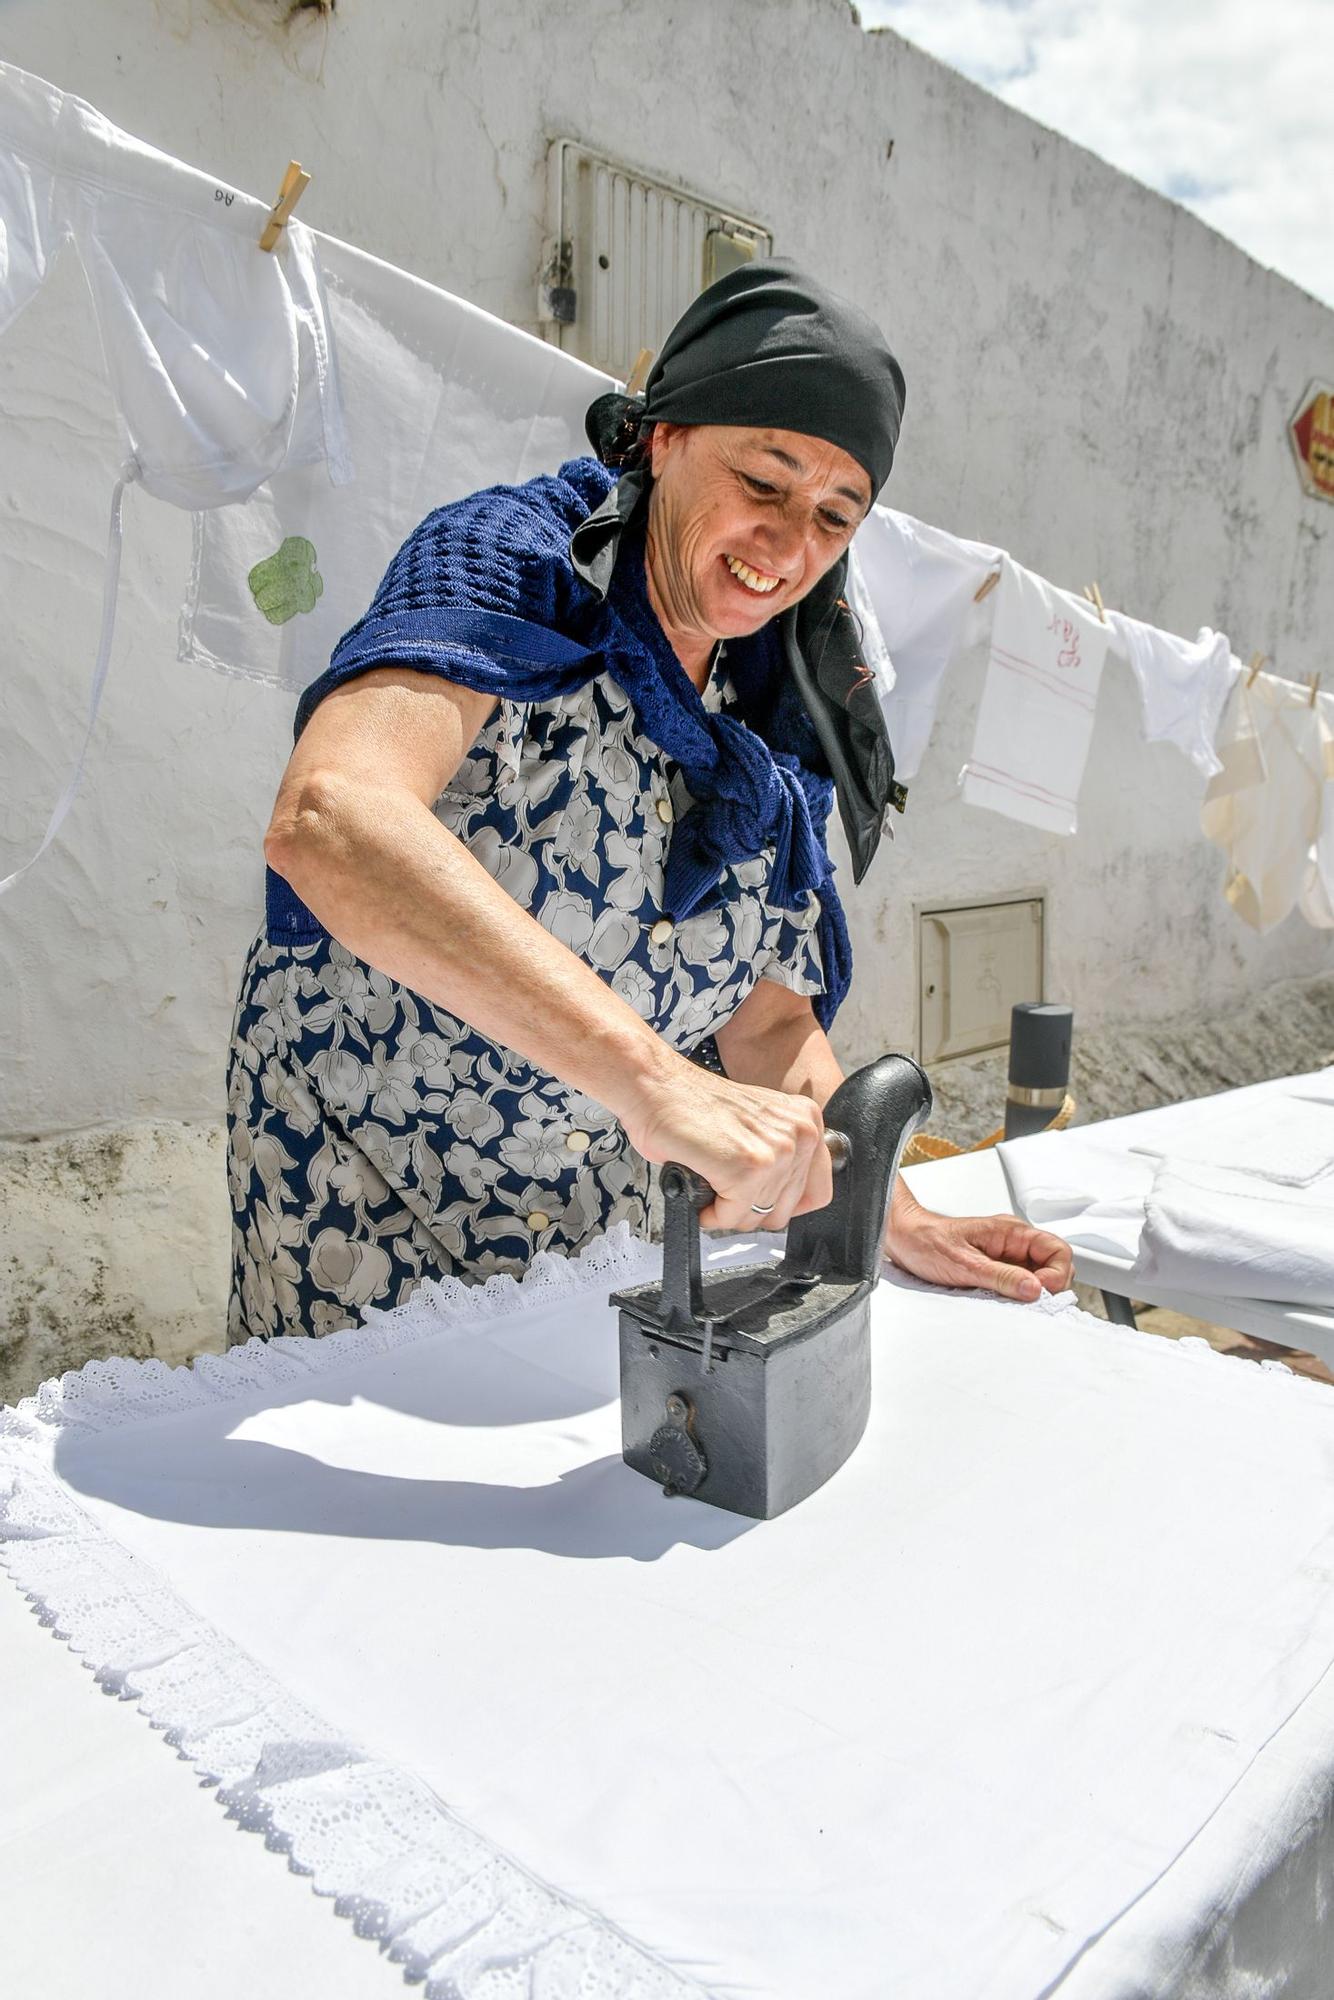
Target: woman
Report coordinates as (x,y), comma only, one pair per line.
(555,824)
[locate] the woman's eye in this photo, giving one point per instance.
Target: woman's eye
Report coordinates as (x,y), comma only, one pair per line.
(758,485)
(835,523)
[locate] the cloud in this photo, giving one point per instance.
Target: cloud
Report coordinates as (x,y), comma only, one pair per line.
(1216,103)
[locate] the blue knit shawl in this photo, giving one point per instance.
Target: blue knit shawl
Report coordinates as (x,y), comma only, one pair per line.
(485,594)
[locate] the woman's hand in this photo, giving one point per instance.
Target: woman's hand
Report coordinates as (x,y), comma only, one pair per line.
(997,1253)
(762,1150)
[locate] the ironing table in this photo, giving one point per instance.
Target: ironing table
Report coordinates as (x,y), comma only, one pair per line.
(978,1184)
(1032,1698)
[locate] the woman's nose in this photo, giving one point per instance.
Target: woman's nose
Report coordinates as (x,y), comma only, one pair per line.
(782,540)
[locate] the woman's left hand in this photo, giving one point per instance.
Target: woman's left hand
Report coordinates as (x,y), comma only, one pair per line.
(998,1253)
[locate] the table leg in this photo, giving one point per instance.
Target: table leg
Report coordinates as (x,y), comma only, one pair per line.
(1119,1310)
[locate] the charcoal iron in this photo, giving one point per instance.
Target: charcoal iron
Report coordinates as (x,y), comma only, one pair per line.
(749,1387)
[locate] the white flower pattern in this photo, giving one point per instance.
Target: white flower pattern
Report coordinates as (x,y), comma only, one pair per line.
(376,1141)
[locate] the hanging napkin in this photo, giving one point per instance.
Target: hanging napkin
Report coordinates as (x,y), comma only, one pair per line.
(921,582)
(1036,714)
(1263,808)
(1182,685)
(1316,901)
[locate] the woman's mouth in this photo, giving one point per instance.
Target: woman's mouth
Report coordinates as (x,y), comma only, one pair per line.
(757,581)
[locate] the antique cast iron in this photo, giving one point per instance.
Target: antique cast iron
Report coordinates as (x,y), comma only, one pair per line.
(749,1387)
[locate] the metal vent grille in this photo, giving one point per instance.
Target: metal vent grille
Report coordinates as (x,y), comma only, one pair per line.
(626,255)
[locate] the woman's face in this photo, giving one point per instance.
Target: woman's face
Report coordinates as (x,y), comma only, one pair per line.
(744,522)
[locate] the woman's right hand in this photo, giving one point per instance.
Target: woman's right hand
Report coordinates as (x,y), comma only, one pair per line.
(760,1149)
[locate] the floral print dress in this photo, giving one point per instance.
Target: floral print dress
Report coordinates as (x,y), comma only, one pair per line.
(376,1141)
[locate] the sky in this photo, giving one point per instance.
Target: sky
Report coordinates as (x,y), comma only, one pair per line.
(1221,104)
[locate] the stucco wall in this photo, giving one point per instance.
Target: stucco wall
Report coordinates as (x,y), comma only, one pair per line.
(1096,382)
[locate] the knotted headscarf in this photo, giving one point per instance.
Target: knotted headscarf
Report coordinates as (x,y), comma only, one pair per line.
(767,346)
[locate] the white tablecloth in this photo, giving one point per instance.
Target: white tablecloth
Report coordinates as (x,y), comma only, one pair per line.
(950,1728)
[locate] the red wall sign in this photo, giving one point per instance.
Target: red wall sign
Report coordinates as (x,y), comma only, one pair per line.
(1312,434)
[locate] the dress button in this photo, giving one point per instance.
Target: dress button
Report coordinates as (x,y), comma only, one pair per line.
(577,1142)
(661,931)
(537,1221)
(665,813)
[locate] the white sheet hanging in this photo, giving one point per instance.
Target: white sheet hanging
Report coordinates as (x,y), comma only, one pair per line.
(1316,901)
(218,354)
(1035,719)
(921,583)
(1263,808)
(440,399)
(1182,685)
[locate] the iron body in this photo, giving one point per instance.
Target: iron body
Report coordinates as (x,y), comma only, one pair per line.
(749,1388)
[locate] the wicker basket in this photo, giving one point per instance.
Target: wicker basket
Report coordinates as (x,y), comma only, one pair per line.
(922,1146)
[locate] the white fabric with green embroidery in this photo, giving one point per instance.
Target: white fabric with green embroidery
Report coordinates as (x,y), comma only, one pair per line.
(441,399)
(217,353)
(934,1732)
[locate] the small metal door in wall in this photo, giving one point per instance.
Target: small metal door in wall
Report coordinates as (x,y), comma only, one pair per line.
(626,254)
(975,962)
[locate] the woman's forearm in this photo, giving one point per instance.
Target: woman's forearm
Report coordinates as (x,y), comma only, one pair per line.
(400,891)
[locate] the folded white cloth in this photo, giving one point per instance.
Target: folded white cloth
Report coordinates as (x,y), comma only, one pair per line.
(1231,1235)
(1288,1140)
(440,399)
(928,1734)
(1182,685)
(1263,808)
(1090,1183)
(1035,718)
(921,582)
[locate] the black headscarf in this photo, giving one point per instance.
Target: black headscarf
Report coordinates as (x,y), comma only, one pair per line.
(767,346)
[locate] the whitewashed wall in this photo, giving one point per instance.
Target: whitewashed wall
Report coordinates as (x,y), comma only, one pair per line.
(1096,382)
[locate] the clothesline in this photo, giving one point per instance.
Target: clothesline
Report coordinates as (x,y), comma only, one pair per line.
(311,406)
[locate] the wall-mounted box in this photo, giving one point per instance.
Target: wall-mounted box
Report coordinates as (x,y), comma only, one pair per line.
(975,961)
(626,253)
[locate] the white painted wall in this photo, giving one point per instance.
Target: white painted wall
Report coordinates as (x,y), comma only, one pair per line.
(1096,382)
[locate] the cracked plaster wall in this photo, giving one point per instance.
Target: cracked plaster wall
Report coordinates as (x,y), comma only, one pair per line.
(1096,381)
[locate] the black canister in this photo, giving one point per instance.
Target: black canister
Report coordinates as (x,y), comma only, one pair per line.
(1040,1036)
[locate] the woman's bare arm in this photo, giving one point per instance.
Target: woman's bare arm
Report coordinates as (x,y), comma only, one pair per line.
(354,833)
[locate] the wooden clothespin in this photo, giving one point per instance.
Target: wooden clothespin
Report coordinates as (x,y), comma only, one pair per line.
(1257,661)
(638,375)
(295,182)
(987,585)
(1315,688)
(1094,596)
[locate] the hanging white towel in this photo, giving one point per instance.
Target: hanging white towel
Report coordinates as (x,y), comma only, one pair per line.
(1183,685)
(440,399)
(1231,1235)
(1316,901)
(1035,718)
(1263,808)
(875,653)
(921,583)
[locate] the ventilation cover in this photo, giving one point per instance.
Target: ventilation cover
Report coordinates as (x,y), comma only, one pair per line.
(626,254)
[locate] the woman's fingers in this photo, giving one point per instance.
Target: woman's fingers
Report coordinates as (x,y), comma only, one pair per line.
(761,1149)
(767,1195)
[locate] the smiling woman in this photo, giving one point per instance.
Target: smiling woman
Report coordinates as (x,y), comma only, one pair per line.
(555,820)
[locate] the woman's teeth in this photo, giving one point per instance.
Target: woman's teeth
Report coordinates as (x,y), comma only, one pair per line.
(752,578)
